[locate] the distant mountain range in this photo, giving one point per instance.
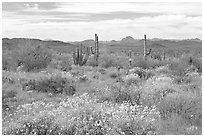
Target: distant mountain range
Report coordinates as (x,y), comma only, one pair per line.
(124,42)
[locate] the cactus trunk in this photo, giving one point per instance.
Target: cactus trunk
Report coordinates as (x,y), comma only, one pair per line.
(145,47)
(96,51)
(164,55)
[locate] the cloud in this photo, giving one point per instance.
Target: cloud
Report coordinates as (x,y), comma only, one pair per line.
(79,21)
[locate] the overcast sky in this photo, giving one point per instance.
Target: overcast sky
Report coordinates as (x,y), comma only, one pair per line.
(111,21)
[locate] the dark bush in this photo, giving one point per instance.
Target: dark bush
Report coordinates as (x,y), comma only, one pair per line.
(8,98)
(198,64)
(32,58)
(54,84)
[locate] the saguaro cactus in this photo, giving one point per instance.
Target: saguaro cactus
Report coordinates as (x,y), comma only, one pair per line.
(164,55)
(145,47)
(130,58)
(96,52)
(81,56)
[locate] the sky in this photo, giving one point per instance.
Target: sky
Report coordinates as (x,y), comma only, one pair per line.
(75,21)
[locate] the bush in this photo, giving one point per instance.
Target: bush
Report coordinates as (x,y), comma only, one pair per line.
(120,94)
(64,65)
(157,56)
(107,61)
(198,64)
(132,79)
(178,68)
(148,64)
(91,61)
(62,62)
(186,105)
(142,73)
(89,122)
(55,84)
(7,62)
(32,58)
(42,126)
(113,74)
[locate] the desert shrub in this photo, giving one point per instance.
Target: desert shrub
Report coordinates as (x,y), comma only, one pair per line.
(120,97)
(178,67)
(8,80)
(186,105)
(147,64)
(64,65)
(55,84)
(156,96)
(138,128)
(32,58)
(140,121)
(113,73)
(7,62)
(107,61)
(156,88)
(198,64)
(176,125)
(102,71)
(141,73)
(62,62)
(41,126)
(157,56)
(192,60)
(89,122)
(8,98)
(118,93)
(131,79)
(91,61)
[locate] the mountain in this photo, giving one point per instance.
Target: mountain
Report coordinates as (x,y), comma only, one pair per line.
(17,42)
(128,40)
(127,43)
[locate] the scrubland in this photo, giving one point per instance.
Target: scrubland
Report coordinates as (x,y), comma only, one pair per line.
(48,95)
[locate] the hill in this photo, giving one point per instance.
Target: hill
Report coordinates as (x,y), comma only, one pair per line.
(127,43)
(53,44)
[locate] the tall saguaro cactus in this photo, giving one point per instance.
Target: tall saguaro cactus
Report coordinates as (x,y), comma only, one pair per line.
(145,47)
(81,55)
(164,55)
(130,58)
(96,51)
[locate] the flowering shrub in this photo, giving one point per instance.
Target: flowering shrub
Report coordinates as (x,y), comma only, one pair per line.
(82,115)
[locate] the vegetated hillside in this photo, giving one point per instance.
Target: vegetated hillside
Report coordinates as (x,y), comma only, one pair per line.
(53,44)
(136,45)
(125,44)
